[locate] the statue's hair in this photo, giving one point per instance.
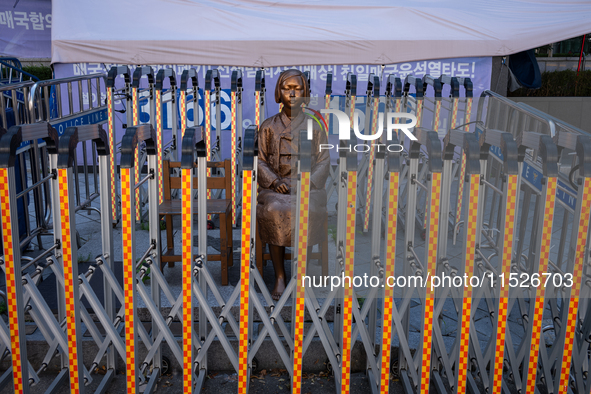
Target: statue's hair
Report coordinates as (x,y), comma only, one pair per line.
(293,72)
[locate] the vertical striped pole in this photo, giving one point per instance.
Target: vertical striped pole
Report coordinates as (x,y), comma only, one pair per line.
(352,113)
(469,253)
(187,277)
(257,108)
(544,253)
(349,271)
(183,111)
(577,279)
(300,290)
(247,201)
(14,287)
(468,113)
(208,131)
(432,244)
(327,106)
(389,272)
(159,148)
(136,159)
(509,217)
(129,274)
(437,115)
(111,129)
(71,290)
(233,157)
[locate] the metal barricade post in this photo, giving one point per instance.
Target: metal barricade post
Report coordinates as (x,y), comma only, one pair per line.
(375,102)
(236,109)
(23,375)
(140,72)
(133,287)
(247,258)
(158,91)
(114,72)
(64,223)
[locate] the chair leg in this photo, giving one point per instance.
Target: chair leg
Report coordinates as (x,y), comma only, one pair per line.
(230,238)
(169,238)
(259,252)
(224,249)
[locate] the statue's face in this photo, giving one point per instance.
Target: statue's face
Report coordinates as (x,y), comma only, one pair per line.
(292,92)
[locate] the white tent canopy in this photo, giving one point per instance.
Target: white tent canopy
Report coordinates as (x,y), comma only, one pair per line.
(260,33)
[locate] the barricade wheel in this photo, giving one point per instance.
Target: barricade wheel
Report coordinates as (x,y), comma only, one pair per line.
(254,366)
(572,178)
(394,368)
(329,368)
(165,365)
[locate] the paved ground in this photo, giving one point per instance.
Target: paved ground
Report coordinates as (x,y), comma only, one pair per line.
(266,382)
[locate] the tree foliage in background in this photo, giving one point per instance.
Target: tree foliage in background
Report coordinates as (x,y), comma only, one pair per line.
(41,72)
(559,84)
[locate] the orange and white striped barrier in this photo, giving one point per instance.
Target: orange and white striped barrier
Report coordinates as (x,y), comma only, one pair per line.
(305,166)
(349,260)
(246,256)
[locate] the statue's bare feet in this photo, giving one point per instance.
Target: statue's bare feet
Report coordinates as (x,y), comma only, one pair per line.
(279,289)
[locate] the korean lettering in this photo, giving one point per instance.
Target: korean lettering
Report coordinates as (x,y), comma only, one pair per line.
(6,19)
(21,19)
(36,20)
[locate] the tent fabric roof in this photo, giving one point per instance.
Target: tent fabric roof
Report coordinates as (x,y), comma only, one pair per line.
(258,33)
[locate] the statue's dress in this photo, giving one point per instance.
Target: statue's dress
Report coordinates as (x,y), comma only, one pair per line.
(278,140)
